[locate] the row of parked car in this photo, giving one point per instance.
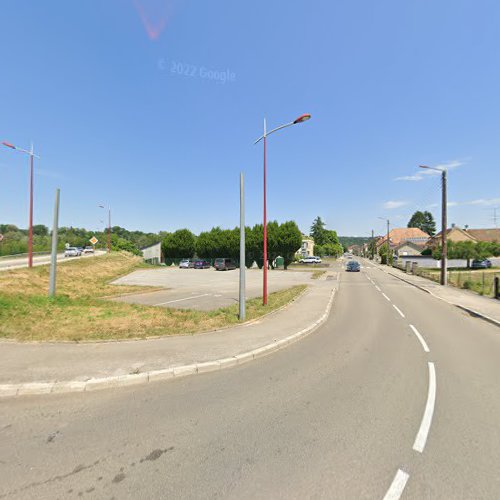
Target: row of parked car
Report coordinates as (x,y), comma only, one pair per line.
(220,264)
(77,251)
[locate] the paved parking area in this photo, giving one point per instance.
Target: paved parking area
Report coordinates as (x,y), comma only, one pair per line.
(204,289)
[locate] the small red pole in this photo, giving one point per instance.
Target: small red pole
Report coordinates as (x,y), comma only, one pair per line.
(30,234)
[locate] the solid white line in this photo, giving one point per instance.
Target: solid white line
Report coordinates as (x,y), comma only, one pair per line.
(419,337)
(425,426)
(398,310)
(386,297)
(180,300)
(378,288)
(398,485)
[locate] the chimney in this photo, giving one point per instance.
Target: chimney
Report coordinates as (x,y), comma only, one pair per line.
(453,225)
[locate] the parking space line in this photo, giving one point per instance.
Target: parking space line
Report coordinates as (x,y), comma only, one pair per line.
(386,297)
(180,300)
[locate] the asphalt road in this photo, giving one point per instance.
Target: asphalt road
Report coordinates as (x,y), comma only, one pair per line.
(39,260)
(359,409)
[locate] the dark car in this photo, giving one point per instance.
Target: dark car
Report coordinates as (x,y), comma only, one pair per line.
(224,264)
(353,266)
(481,264)
(201,264)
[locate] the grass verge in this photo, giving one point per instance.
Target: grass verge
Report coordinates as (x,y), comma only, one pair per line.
(81,313)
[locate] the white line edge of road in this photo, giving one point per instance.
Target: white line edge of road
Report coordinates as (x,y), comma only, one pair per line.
(35,388)
(398,310)
(420,338)
(397,486)
(180,300)
(425,426)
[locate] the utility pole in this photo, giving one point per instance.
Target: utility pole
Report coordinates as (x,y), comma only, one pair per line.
(444,223)
(373,246)
(242,249)
(53,258)
(388,242)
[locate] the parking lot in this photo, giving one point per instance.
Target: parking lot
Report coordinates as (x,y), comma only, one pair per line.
(204,289)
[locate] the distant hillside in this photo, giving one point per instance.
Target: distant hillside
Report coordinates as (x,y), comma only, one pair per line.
(353,240)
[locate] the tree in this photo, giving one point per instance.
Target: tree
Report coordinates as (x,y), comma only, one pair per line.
(180,244)
(289,241)
(318,231)
(424,221)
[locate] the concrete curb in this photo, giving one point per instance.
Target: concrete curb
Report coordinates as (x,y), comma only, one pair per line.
(36,388)
(472,312)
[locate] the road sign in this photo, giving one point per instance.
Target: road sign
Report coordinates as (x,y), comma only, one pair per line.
(93,240)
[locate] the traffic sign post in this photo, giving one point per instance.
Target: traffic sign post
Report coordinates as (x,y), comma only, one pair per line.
(94,241)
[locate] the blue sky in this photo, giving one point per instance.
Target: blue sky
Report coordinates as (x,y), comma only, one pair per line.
(100,89)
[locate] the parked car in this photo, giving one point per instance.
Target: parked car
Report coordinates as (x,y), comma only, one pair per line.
(353,266)
(88,250)
(481,264)
(186,263)
(310,260)
(201,264)
(224,264)
(71,252)
(80,250)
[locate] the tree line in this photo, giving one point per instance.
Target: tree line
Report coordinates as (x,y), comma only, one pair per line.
(283,240)
(468,250)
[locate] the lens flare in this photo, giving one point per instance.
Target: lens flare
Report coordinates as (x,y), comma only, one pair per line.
(154,15)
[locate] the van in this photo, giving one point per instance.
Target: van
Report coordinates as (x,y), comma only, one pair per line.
(224,264)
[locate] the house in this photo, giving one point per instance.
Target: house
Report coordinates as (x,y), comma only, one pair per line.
(407,248)
(306,249)
(457,234)
(152,253)
(399,235)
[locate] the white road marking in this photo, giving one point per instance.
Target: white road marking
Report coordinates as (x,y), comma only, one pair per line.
(419,337)
(386,297)
(425,426)
(398,485)
(378,288)
(398,310)
(180,300)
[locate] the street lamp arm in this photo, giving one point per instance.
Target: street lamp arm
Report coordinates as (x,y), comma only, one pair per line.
(274,130)
(433,168)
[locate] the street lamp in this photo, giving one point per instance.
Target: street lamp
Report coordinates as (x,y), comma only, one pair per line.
(300,119)
(30,230)
(388,242)
(109,226)
(444,244)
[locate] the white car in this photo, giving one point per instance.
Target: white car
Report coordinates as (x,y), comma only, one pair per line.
(71,252)
(185,264)
(310,260)
(88,250)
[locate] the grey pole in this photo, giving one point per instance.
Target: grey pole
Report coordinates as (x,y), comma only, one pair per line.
(53,258)
(444,224)
(242,249)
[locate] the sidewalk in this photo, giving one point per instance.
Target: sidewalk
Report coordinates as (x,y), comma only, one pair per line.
(39,368)
(485,307)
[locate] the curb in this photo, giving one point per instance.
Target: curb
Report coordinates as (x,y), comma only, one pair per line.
(472,312)
(94,384)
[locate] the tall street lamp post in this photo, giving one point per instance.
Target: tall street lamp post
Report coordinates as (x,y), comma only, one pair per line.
(109,227)
(32,155)
(444,223)
(300,119)
(388,241)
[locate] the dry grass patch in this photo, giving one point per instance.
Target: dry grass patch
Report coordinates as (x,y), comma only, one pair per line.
(80,312)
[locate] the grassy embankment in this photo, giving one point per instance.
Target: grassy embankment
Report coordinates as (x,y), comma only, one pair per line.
(477,280)
(81,312)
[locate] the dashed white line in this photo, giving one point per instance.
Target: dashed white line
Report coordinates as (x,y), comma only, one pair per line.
(386,297)
(425,426)
(397,486)
(378,288)
(398,310)
(419,337)
(180,300)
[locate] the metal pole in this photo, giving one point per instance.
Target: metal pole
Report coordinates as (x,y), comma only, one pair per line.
(264,291)
(109,230)
(444,245)
(242,249)
(372,246)
(30,231)
(388,244)
(53,258)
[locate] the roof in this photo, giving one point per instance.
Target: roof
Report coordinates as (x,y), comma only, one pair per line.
(489,235)
(416,246)
(149,246)
(399,235)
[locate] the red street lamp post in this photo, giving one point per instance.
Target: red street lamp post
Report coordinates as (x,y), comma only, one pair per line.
(300,119)
(30,230)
